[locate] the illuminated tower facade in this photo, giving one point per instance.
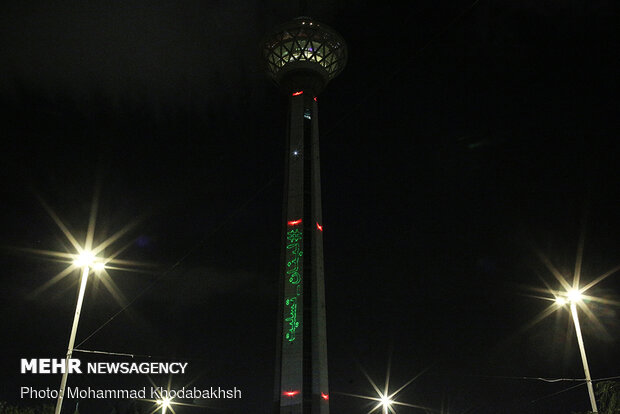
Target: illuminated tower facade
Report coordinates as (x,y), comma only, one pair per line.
(302,56)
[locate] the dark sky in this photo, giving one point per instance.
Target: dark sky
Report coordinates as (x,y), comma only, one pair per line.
(462,140)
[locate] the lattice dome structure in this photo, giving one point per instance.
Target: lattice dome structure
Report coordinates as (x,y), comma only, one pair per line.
(304,47)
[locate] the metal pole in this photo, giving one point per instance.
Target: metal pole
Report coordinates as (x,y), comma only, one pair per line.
(573,310)
(76,319)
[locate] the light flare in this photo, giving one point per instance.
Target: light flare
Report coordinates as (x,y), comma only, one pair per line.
(572,292)
(86,254)
(98,266)
(84,258)
(574,296)
(385,400)
(166,404)
(162,399)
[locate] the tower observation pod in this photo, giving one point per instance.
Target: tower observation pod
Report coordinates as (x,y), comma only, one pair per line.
(302,56)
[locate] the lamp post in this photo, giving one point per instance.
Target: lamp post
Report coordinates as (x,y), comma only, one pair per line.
(572,297)
(86,260)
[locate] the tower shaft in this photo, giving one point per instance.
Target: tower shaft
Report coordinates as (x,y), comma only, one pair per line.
(302,56)
(301,370)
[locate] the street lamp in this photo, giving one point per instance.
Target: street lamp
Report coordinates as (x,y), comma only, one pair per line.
(85,260)
(572,297)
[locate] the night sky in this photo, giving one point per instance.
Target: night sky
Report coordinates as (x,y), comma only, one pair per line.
(463,142)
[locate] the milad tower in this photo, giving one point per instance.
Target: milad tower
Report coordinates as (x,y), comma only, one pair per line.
(302,56)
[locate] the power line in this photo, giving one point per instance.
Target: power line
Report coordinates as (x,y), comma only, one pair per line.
(556,393)
(550,380)
(126,354)
(183,258)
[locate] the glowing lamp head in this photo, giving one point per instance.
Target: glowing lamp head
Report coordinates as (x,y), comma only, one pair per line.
(386,402)
(164,403)
(573,295)
(85,258)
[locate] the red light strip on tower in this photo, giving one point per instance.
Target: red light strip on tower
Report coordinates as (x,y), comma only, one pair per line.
(318,226)
(315,99)
(298,93)
(293,222)
(325,396)
(290,393)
